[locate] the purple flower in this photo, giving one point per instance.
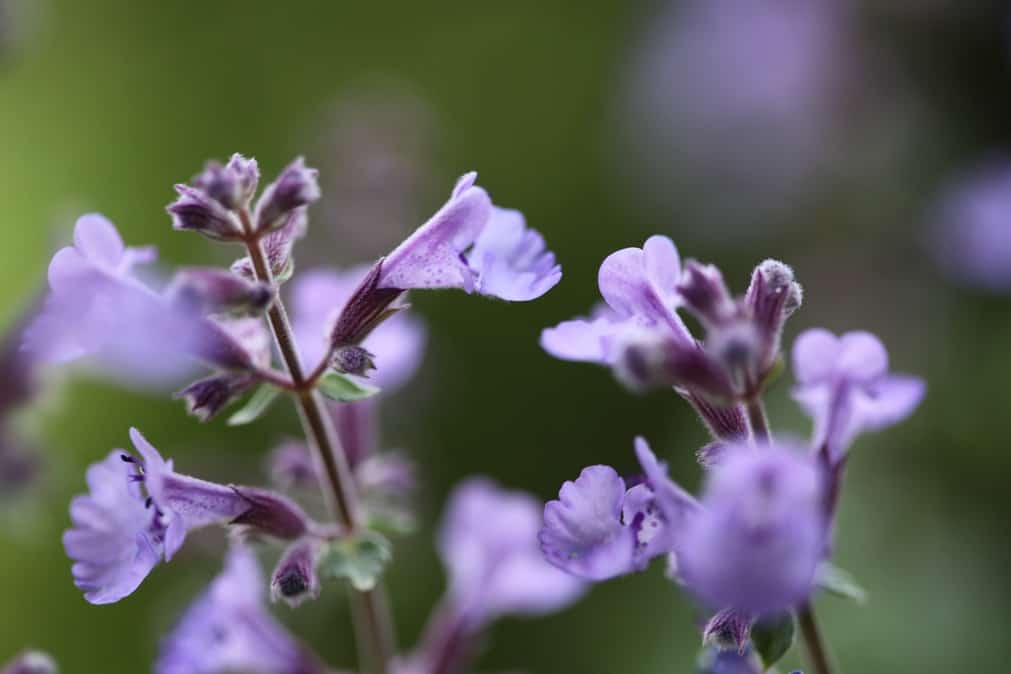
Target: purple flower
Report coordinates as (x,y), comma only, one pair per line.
(598,528)
(843,383)
(970,234)
(98,308)
(295,578)
(488,542)
(31,662)
(227,629)
(231,185)
(295,188)
(757,542)
(473,245)
(119,535)
(728,630)
(718,661)
(639,286)
(318,296)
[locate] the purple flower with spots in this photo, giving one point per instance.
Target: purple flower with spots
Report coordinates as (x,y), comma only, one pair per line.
(119,535)
(99,308)
(472,245)
(599,528)
(760,535)
(843,383)
(228,629)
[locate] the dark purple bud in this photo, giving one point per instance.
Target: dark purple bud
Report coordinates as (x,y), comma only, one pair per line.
(206,397)
(271,514)
(31,662)
(247,176)
(725,422)
(705,293)
(368,306)
(295,579)
(773,296)
(648,359)
(294,188)
(352,359)
(195,211)
(728,630)
(692,368)
(277,247)
(210,290)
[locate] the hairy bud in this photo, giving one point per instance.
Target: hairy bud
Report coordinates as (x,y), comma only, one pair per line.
(294,188)
(774,295)
(352,359)
(195,211)
(728,630)
(295,579)
(211,290)
(706,294)
(206,397)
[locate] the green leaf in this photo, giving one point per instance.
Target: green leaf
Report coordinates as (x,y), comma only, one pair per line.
(773,636)
(342,388)
(361,559)
(774,373)
(841,583)
(255,406)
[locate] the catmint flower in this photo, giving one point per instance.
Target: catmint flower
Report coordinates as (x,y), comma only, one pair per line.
(318,295)
(757,541)
(968,232)
(295,579)
(295,188)
(232,185)
(488,543)
(472,245)
(98,308)
(119,535)
(228,629)
(210,290)
(773,296)
(600,528)
(31,662)
(843,383)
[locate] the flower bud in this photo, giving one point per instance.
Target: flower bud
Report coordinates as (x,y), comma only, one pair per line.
(195,211)
(704,292)
(724,422)
(206,397)
(211,290)
(737,347)
(728,630)
(271,514)
(773,296)
(648,359)
(295,579)
(277,247)
(352,359)
(294,188)
(31,662)
(290,466)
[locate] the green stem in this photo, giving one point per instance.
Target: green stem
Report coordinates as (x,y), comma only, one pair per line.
(814,640)
(758,420)
(370,612)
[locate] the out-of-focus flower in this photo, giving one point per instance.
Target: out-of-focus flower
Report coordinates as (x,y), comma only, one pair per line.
(318,298)
(969,234)
(728,630)
(756,544)
(843,383)
(488,544)
(719,661)
(18,464)
(119,535)
(472,245)
(31,662)
(98,308)
(733,97)
(228,629)
(599,528)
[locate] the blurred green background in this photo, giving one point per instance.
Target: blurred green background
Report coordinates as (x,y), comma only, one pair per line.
(104,104)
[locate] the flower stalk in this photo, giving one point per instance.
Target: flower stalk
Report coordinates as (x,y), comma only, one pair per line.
(815,642)
(370,613)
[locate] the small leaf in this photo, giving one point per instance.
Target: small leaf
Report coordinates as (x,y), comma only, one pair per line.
(841,583)
(774,373)
(255,406)
(361,559)
(343,388)
(772,637)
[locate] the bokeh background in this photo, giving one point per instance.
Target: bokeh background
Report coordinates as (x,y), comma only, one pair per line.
(862,142)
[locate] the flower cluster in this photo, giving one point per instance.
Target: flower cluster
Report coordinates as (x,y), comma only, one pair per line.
(756,544)
(349,331)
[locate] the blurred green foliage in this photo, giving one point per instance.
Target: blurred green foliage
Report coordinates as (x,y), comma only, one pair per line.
(107,103)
